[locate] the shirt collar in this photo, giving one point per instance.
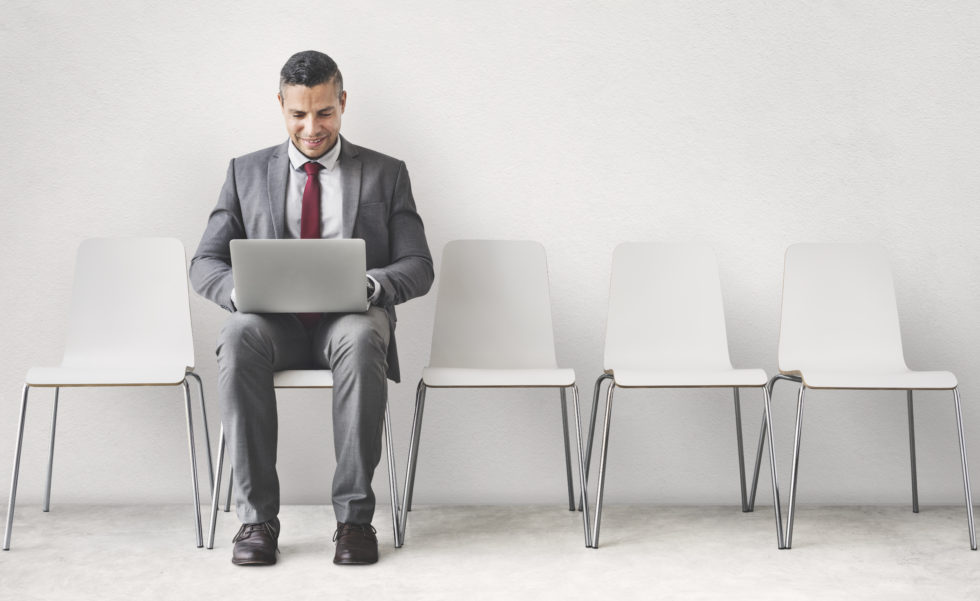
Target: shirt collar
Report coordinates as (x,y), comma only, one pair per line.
(297,159)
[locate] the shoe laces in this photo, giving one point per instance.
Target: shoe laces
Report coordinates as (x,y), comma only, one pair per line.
(247,529)
(344,528)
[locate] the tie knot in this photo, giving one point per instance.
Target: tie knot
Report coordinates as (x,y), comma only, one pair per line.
(312,167)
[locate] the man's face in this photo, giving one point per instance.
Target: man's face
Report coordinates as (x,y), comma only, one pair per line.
(313,116)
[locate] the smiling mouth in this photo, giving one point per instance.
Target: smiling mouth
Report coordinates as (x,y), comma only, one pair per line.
(313,141)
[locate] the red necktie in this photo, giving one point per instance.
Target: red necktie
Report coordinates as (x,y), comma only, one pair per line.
(309,224)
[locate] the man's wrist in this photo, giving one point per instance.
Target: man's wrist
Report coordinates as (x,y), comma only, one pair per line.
(373,290)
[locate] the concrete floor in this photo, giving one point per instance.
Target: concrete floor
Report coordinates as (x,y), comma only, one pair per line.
(513,552)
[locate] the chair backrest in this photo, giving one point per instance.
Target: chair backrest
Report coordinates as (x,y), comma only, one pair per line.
(129,304)
(493,309)
(665,309)
(839,310)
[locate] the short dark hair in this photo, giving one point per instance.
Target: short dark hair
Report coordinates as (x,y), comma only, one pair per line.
(310,68)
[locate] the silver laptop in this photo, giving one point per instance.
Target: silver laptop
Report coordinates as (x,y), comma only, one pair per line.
(299,276)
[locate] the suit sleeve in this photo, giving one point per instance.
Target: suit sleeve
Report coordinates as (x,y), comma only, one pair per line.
(210,271)
(410,272)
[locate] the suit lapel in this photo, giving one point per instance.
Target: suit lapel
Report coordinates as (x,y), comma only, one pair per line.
(350,174)
(278,170)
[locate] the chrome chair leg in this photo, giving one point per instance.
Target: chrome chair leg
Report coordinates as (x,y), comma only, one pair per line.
(193,455)
(416,432)
(216,488)
(46,503)
(966,471)
(741,451)
(776,505)
(413,455)
(568,453)
(602,467)
(762,437)
(595,408)
(763,430)
(915,480)
(796,465)
(583,498)
(392,481)
(13,478)
(204,418)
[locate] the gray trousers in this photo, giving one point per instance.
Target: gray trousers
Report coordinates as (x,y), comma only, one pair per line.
(251,347)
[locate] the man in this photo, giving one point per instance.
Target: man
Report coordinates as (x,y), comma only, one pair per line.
(316,184)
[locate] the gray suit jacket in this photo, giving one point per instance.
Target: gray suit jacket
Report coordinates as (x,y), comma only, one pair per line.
(378,207)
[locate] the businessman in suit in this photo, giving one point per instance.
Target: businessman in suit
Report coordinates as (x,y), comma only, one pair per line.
(315,185)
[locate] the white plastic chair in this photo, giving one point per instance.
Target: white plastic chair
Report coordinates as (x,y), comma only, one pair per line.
(666,329)
(840,330)
(493,329)
(129,325)
(303,378)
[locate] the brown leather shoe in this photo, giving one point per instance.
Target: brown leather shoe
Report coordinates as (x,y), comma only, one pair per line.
(356,544)
(256,544)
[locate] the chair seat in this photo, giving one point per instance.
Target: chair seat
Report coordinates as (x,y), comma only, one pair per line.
(450,377)
(106,376)
(900,380)
(303,378)
(688,378)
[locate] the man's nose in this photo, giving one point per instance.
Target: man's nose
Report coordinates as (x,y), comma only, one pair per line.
(308,126)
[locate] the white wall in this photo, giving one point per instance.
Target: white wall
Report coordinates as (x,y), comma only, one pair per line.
(745,125)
